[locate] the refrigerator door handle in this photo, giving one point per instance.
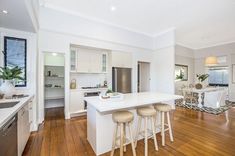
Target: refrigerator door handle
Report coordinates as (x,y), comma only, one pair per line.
(115,70)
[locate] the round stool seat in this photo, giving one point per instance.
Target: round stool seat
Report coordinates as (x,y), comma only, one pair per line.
(146,111)
(163,107)
(122,116)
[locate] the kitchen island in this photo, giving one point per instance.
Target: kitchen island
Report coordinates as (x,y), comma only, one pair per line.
(100,126)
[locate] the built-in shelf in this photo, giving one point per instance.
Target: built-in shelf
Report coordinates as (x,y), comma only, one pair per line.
(54,87)
(54,97)
(55,77)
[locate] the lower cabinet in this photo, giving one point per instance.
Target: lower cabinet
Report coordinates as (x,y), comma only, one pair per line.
(23,131)
(76,102)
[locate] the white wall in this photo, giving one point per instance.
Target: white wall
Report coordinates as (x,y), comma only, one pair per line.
(227,50)
(75,25)
(164,60)
(184,56)
(31,63)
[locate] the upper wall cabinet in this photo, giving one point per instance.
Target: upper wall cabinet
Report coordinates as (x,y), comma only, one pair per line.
(121,59)
(73,60)
(88,60)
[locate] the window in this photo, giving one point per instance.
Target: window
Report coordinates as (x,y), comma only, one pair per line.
(15,50)
(218,76)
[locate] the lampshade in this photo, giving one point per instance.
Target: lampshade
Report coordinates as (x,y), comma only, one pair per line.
(211,60)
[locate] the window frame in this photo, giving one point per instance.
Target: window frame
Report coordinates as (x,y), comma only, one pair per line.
(25,57)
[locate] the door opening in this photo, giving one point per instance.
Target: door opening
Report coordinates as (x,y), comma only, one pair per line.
(143,77)
(54,74)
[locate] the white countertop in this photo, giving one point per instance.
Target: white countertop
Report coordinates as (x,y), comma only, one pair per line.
(89,90)
(129,101)
(7,113)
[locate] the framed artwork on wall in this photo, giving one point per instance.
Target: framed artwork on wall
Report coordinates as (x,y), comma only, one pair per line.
(181,72)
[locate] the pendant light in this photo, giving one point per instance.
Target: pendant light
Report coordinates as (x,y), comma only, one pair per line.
(211,61)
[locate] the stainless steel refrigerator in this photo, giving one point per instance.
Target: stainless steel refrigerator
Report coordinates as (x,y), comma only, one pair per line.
(121,80)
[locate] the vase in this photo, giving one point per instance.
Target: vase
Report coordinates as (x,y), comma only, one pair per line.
(7,88)
(198,86)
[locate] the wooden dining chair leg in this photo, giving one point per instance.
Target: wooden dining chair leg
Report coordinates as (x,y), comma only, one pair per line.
(169,126)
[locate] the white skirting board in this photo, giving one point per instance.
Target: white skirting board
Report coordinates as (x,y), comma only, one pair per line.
(52,103)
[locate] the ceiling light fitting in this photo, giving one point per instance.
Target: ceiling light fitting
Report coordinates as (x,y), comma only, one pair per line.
(54,54)
(211,61)
(5,11)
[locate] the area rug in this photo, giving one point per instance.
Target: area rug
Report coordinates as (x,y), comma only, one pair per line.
(215,111)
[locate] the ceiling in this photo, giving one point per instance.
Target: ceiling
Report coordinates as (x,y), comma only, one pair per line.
(198,23)
(17,17)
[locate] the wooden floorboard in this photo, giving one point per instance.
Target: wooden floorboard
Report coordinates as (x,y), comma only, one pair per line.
(195,133)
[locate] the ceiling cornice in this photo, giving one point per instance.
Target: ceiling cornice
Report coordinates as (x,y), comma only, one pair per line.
(49,6)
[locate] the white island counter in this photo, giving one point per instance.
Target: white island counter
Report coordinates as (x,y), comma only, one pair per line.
(100,126)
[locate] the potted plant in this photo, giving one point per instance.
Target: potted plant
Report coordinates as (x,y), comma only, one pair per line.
(201,78)
(9,75)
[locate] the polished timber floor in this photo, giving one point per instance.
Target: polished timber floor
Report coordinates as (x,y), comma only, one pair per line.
(195,133)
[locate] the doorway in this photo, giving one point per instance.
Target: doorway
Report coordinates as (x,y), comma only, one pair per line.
(54,74)
(143,77)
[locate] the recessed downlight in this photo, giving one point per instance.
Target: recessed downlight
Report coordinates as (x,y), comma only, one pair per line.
(112,8)
(5,11)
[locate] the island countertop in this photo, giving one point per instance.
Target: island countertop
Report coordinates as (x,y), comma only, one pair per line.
(130,100)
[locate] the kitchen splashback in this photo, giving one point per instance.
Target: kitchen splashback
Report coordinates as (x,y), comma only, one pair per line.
(88,80)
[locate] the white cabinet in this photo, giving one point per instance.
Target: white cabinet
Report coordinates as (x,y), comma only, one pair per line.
(76,101)
(88,60)
(23,129)
(73,60)
(121,59)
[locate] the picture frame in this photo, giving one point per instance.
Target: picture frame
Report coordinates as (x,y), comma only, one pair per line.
(233,73)
(181,72)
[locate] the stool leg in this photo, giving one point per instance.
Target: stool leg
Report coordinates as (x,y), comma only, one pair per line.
(121,139)
(163,130)
(124,136)
(169,126)
(114,139)
(138,130)
(154,134)
(146,136)
(132,141)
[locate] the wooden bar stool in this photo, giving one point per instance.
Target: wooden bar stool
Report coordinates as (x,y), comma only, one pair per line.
(164,108)
(146,113)
(122,119)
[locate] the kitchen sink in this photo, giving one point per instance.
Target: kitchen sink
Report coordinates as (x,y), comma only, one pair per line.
(8,104)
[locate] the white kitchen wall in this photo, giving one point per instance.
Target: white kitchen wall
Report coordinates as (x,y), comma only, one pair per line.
(164,60)
(184,56)
(75,25)
(88,80)
(31,63)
